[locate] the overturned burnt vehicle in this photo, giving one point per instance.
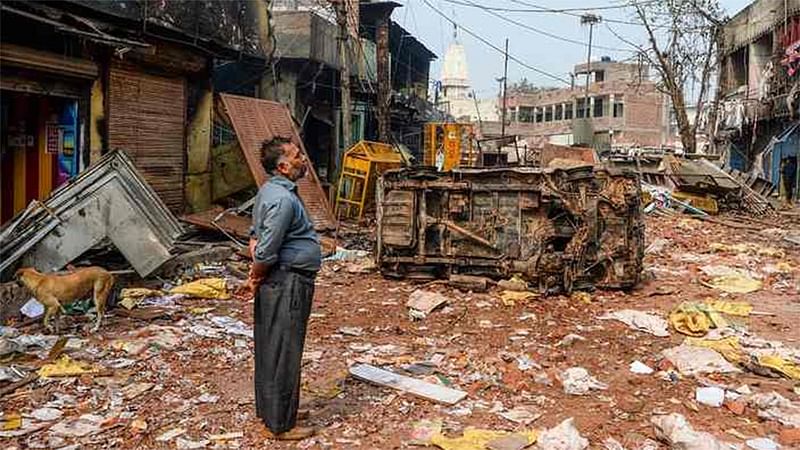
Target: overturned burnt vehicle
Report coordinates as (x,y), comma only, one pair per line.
(560,229)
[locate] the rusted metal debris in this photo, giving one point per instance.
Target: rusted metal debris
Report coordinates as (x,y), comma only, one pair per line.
(256,120)
(561,229)
(110,200)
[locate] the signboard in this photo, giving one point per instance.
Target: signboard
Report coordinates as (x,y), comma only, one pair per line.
(54,135)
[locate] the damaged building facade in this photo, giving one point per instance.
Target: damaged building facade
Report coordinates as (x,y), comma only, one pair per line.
(82,78)
(624,109)
(388,80)
(759,108)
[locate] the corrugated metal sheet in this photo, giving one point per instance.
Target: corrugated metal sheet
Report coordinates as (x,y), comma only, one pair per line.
(147,119)
(255,121)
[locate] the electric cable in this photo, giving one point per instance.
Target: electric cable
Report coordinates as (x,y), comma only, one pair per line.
(542,32)
(496,48)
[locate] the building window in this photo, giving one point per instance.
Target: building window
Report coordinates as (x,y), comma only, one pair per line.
(738,61)
(525,114)
(619,107)
(539,115)
(548,113)
(559,112)
(598,107)
(568,111)
(580,111)
(599,76)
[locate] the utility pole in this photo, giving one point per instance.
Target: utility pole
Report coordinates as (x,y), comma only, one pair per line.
(591,20)
(505,84)
(477,112)
(383,68)
(344,73)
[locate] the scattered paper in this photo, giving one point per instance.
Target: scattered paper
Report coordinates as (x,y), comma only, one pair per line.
(641,321)
(578,381)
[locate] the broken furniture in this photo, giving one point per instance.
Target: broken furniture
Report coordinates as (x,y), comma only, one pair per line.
(451,144)
(561,229)
(363,163)
(110,200)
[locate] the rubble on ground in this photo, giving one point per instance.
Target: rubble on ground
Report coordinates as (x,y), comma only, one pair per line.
(481,364)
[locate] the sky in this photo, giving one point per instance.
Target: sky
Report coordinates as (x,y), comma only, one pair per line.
(551,55)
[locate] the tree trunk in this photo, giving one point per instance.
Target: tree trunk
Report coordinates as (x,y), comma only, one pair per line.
(687,130)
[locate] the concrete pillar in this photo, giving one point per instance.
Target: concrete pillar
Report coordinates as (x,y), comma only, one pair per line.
(590,112)
(198,189)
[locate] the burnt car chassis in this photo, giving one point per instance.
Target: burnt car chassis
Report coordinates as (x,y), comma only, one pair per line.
(560,229)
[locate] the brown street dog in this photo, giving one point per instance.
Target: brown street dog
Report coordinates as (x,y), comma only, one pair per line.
(54,291)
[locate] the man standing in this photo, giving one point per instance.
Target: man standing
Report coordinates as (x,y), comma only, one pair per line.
(286,258)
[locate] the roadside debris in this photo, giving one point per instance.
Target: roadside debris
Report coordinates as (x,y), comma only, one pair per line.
(735,284)
(511,298)
(711,396)
(640,368)
(470,282)
(210,288)
(515,283)
(774,406)
(694,319)
(762,444)
(478,439)
(578,381)
(430,391)
(524,415)
(641,321)
(690,360)
(421,303)
(423,431)
(110,200)
(674,430)
(66,367)
(564,436)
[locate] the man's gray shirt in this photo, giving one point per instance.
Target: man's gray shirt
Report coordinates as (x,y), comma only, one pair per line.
(285,234)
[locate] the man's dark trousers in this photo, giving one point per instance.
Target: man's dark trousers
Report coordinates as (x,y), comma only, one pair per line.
(281,310)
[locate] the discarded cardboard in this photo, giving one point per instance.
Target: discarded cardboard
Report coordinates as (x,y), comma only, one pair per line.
(430,391)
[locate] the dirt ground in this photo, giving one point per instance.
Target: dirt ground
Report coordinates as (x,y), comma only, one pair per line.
(475,340)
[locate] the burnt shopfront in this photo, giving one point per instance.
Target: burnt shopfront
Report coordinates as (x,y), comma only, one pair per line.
(44,101)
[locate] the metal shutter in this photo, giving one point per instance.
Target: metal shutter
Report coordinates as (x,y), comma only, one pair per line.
(147,119)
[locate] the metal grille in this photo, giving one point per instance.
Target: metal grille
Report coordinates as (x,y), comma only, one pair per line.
(257,120)
(147,120)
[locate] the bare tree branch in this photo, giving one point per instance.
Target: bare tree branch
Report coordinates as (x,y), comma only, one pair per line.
(682,38)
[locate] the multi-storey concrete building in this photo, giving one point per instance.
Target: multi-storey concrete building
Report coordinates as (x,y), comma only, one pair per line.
(624,108)
(758,119)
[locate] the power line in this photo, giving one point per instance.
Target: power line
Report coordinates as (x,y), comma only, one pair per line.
(550,10)
(542,32)
(538,9)
(496,48)
(563,10)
